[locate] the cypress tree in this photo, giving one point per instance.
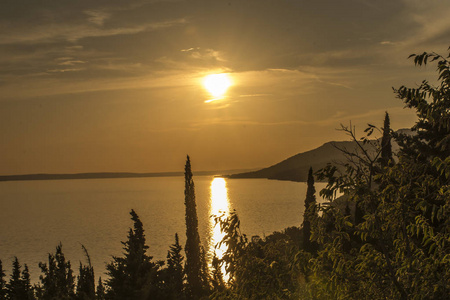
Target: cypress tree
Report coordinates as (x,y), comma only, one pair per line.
(133,276)
(310,210)
(386,147)
(100,294)
(193,267)
(86,280)
(19,286)
(2,282)
(13,288)
(174,271)
(26,282)
(57,279)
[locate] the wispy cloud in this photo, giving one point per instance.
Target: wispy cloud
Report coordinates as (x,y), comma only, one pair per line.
(432,20)
(75,32)
(65,70)
(71,62)
(199,53)
(398,115)
(97,17)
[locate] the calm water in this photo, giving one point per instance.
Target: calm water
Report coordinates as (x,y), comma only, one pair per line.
(36,215)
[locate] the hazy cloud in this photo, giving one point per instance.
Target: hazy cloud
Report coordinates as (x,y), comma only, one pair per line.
(71,62)
(97,17)
(73,33)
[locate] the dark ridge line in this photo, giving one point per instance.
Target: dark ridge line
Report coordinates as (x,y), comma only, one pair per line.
(97,175)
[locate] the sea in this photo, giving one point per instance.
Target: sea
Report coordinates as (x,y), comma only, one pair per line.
(36,216)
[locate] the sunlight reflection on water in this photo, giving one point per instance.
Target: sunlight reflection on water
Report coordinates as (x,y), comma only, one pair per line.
(219,205)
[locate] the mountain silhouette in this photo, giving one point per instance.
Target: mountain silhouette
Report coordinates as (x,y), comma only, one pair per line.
(296,167)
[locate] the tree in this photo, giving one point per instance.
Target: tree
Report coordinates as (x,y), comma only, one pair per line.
(26,283)
(2,282)
(133,276)
(196,281)
(100,293)
(174,273)
(402,250)
(57,281)
(386,147)
(309,213)
(19,287)
(86,280)
(14,287)
(263,268)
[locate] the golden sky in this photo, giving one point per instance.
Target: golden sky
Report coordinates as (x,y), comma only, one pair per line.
(109,85)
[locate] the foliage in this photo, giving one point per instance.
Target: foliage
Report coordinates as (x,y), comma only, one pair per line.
(100,293)
(386,146)
(173,275)
(400,248)
(309,214)
(57,281)
(133,276)
(19,286)
(2,282)
(197,281)
(86,280)
(260,268)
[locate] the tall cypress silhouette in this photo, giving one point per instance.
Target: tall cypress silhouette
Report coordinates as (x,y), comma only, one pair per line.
(85,279)
(174,271)
(193,267)
(386,147)
(2,282)
(100,293)
(310,210)
(14,287)
(133,276)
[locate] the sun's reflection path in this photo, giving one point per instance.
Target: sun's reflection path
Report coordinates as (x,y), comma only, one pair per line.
(219,206)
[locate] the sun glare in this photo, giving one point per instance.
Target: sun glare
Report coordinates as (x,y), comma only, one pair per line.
(219,204)
(217,84)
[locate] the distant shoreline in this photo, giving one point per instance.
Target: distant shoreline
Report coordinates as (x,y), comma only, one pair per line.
(103,175)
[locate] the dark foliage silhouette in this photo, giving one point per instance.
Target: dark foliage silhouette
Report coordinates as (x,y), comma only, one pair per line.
(401,248)
(133,276)
(173,274)
(386,146)
(196,279)
(309,213)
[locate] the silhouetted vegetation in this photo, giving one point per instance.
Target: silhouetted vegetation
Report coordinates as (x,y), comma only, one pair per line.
(197,284)
(383,234)
(386,147)
(399,249)
(309,213)
(133,276)
(173,275)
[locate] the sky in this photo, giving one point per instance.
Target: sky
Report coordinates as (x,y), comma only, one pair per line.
(116,86)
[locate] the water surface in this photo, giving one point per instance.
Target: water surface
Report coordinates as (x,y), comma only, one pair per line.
(37,215)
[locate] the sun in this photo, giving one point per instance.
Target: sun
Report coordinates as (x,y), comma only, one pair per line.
(217,84)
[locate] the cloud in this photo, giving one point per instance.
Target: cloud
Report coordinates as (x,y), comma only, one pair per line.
(74,48)
(254,95)
(97,17)
(189,49)
(431,23)
(75,32)
(71,62)
(65,70)
(401,117)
